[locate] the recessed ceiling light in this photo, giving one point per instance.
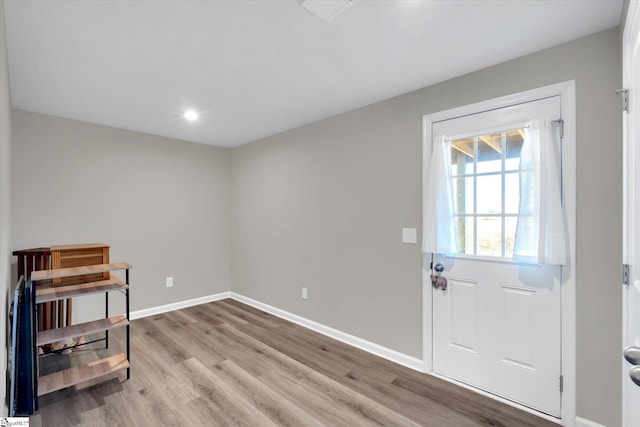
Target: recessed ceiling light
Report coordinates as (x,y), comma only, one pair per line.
(191,115)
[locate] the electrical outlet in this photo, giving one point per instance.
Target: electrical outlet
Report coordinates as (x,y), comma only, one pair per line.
(169,282)
(305,295)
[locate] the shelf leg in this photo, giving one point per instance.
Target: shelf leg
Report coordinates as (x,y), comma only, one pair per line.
(34,368)
(128,332)
(106,314)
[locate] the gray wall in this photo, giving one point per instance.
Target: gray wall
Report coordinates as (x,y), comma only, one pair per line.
(5,176)
(322,206)
(163,205)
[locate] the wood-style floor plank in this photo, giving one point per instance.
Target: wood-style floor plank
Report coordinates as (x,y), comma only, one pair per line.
(228,364)
(233,407)
(280,410)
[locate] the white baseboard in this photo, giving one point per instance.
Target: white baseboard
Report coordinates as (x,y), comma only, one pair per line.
(177,305)
(582,422)
(368,346)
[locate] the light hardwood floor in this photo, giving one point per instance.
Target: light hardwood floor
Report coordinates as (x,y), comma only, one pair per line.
(228,364)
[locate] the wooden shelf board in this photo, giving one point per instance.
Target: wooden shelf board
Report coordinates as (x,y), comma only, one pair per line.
(68,377)
(61,334)
(78,271)
(46,292)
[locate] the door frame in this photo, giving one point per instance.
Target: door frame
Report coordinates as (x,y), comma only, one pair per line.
(567,92)
(629,44)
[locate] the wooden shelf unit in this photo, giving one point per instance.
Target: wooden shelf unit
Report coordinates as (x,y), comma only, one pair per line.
(47,290)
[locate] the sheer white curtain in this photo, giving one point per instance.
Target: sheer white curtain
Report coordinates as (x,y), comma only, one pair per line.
(540,232)
(438,231)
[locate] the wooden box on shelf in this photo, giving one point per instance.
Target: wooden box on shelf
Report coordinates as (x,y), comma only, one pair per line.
(69,256)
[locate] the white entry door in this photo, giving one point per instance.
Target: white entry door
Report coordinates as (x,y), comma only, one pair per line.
(631,223)
(497,325)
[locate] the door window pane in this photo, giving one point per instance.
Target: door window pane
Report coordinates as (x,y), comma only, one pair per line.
(511,193)
(489,153)
(464,226)
(463,195)
(509,235)
(513,143)
(486,191)
(462,156)
(489,194)
(490,236)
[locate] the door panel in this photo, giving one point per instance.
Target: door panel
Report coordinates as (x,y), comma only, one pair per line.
(497,326)
(462,315)
(517,314)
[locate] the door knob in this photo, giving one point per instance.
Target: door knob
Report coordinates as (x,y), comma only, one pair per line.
(634,373)
(438,281)
(632,355)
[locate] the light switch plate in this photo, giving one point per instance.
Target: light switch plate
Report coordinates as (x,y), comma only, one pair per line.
(409,235)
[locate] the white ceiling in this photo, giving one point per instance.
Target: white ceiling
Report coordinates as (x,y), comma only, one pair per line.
(254,68)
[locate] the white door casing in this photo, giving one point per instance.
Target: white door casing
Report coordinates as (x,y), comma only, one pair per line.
(508,295)
(631,221)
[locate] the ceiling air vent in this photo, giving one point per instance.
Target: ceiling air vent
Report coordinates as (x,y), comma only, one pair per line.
(327,10)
